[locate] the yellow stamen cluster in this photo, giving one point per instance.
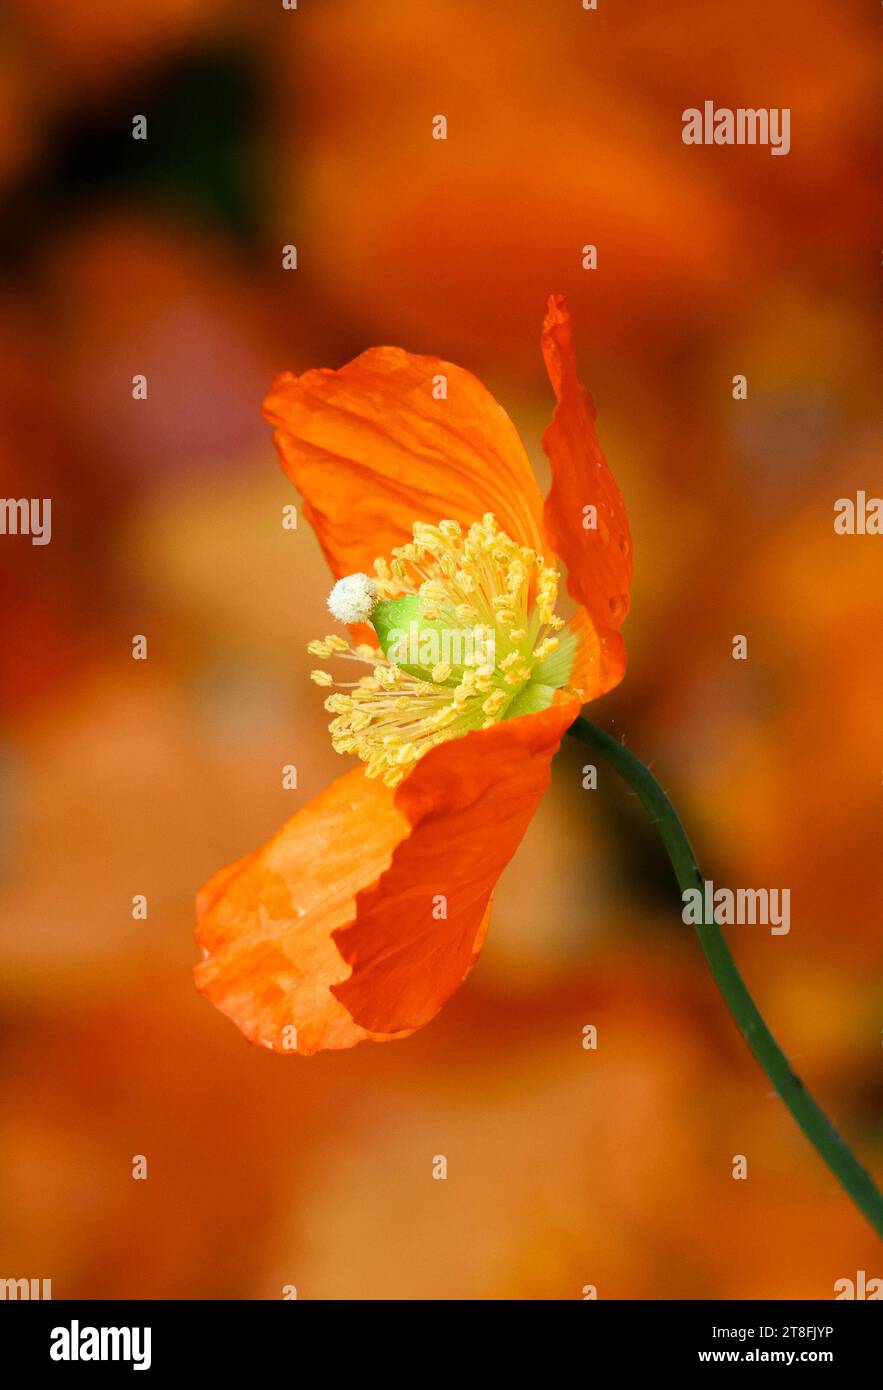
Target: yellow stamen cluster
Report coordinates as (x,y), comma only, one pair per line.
(496,599)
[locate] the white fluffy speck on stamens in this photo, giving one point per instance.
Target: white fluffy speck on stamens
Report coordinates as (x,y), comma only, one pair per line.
(353,598)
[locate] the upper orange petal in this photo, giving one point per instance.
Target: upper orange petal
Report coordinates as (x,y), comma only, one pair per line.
(372,451)
(599,560)
(265,922)
(469,802)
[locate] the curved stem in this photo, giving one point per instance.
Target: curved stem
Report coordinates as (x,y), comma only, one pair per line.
(814,1123)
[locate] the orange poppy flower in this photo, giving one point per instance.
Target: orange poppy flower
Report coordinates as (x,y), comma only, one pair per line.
(368,908)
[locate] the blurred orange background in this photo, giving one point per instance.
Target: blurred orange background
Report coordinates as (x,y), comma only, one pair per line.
(312,127)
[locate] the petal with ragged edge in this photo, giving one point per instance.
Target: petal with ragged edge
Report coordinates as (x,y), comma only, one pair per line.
(372,451)
(265,922)
(598,559)
(330,927)
(469,803)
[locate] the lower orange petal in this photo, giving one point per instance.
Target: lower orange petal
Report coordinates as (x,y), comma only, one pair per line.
(469,803)
(265,923)
(368,908)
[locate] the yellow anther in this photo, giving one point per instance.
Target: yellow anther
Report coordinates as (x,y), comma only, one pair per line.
(521,673)
(494,703)
(345,745)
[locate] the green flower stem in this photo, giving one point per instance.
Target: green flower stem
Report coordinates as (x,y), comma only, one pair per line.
(814,1123)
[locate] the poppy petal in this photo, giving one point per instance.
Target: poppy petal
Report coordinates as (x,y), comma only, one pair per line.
(599,556)
(336,927)
(418,931)
(372,450)
(265,922)
(578,663)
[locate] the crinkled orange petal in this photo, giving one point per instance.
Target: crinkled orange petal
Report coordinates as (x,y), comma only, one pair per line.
(265,922)
(372,451)
(418,931)
(368,908)
(599,560)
